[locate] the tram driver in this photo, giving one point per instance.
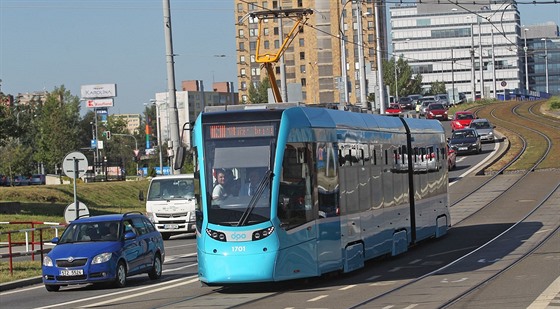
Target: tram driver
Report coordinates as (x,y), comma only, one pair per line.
(219,192)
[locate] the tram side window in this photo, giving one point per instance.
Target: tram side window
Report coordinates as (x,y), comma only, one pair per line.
(326,167)
(295,205)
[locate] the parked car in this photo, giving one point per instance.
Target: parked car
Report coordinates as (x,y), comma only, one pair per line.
(415,98)
(21,181)
(4,180)
(405,103)
(462,120)
(104,249)
(484,128)
(436,111)
(462,98)
(424,106)
(394,109)
(38,179)
(451,158)
(465,141)
(443,99)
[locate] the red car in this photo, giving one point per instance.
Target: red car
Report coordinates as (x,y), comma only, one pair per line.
(462,120)
(393,110)
(436,111)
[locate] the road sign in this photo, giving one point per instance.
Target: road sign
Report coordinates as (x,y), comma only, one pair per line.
(70,212)
(504,83)
(68,164)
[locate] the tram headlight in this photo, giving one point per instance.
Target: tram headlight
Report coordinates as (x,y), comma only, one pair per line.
(219,236)
(260,234)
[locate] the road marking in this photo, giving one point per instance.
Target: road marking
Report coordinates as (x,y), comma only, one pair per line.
(547,296)
(140,294)
(347,287)
(151,286)
(496,146)
(317,298)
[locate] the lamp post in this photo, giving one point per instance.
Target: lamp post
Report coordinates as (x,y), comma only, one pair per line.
(473,75)
(481,63)
(361,64)
(158,133)
(452,78)
(545,64)
(343,63)
(379,61)
(396,76)
(526,65)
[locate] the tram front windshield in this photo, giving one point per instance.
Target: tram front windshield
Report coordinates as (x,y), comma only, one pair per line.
(238,180)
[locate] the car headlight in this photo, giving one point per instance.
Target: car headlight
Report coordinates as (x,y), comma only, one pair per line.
(101,258)
(47,261)
(490,133)
(475,144)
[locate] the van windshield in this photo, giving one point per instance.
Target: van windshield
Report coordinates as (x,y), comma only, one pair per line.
(171,189)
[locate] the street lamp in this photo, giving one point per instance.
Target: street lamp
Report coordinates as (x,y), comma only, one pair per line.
(361,64)
(343,63)
(545,63)
(526,65)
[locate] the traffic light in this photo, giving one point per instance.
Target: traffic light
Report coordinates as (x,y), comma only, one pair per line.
(108,135)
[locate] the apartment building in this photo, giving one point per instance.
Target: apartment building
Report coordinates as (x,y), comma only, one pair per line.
(314,61)
(473,48)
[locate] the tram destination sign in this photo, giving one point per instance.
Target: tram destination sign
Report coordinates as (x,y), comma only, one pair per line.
(240,130)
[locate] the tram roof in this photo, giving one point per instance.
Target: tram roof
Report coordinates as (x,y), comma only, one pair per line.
(329,118)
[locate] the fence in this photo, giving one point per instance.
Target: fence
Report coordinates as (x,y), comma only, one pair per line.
(29,243)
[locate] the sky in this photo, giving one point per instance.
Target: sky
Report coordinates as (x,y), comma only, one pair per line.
(49,43)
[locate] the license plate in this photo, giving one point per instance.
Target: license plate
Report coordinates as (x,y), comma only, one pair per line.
(171,226)
(463,148)
(72,272)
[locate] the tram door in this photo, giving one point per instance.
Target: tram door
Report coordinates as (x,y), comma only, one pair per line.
(327,195)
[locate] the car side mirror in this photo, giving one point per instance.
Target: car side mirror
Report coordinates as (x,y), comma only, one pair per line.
(129,235)
(55,240)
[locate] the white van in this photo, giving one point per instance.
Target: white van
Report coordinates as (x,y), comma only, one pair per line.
(170,204)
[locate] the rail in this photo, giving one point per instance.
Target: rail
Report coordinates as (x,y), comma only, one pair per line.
(30,244)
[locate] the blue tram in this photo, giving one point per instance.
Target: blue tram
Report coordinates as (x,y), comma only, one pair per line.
(330,190)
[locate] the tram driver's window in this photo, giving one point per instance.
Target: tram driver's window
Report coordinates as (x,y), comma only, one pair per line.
(294,205)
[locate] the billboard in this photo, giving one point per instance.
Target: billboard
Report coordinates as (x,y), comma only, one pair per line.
(99,91)
(99,103)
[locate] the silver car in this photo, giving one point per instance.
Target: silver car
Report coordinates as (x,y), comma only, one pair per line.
(484,128)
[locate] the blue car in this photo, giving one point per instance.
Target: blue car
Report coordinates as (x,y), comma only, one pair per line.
(104,249)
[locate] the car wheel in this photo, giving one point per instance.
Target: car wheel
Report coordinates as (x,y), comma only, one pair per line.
(120,275)
(155,272)
(52,288)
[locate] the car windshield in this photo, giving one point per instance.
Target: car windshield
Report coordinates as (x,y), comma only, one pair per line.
(436,106)
(91,231)
(464,116)
(462,134)
(480,125)
(238,180)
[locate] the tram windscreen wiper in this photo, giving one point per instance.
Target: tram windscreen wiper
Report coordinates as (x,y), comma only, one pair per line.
(260,189)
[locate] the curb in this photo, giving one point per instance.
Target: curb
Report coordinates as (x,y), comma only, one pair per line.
(20,283)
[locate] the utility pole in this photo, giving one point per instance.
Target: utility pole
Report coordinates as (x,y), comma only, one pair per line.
(379,61)
(172,102)
(481,63)
(361,64)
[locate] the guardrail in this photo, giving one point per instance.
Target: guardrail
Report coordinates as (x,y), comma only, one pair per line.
(28,243)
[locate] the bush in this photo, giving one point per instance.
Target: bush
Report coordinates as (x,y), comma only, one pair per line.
(554,103)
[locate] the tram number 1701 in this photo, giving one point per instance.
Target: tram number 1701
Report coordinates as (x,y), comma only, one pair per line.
(238,248)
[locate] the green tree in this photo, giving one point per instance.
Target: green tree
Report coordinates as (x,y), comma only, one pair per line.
(58,128)
(16,158)
(437,87)
(259,94)
(7,125)
(407,84)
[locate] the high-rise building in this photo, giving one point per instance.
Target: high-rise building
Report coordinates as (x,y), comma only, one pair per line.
(543,57)
(313,61)
(451,43)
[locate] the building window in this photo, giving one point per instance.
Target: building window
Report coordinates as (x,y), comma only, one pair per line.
(301,42)
(276,31)
(253,32)
(302,56)
(264,4)
(277,69)
(276,44)
(253,6)
(303,82)
(241,46)
(243,85)
(302,68)
(266,31)
(243,73)
(266,44)
(244,98)
(254,71)
(241,33)
(253,45)
(274,4)
(252,58)
(300,3)
(240,7)
(241,59)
